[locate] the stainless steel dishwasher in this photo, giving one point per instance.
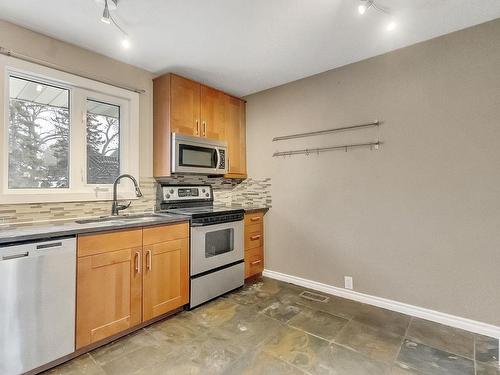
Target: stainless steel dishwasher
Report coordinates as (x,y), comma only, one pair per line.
(37,303)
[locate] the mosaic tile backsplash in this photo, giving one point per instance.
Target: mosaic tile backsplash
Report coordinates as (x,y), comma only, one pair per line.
(250,192)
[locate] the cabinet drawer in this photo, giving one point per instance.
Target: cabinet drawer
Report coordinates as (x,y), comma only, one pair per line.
(254,218)
(92,244)
(254,236)
(165,233)
(254,262)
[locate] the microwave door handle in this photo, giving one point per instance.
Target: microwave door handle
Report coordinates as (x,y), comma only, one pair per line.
(217,153)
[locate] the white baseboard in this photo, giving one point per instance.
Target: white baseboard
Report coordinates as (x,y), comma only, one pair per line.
(419,312)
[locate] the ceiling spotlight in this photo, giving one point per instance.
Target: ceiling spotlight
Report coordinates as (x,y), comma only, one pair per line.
(39,88)
(391,26)
(125,43)
(106,17)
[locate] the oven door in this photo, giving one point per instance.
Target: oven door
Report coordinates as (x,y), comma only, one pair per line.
(217,245)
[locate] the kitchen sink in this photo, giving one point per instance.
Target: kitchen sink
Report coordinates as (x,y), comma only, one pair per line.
(120,219)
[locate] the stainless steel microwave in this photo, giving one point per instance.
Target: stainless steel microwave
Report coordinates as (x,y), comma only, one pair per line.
(198,155)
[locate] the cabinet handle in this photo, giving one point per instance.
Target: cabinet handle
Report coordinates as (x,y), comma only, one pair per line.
(138,261)
(255,262)
(204,128)
(255,218)
(149,260)
(197,127)
(253,238)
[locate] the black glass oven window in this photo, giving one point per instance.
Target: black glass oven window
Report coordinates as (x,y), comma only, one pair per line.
(219,242)
(193,156)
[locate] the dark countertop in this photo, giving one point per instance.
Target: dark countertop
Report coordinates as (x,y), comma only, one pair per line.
(39,231)
(248,208)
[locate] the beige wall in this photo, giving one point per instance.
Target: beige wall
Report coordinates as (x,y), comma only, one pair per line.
(417,221)
(95,66)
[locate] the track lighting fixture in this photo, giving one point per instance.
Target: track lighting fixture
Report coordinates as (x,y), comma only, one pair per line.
(108,19)
(367,4)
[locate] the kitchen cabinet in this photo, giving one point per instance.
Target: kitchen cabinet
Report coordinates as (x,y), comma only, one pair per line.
(109,285)
(187,107)
(128,277)
(212,113)
(166,270)
(254,243)
(235,131)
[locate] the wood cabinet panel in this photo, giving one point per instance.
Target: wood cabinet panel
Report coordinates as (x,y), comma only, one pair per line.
(164,233)
(235,133)
(109,293)
(254,236)
(91,244)
(166,277)
(184,106)
(254,261)
(161,128)
(254,218)
(213,115)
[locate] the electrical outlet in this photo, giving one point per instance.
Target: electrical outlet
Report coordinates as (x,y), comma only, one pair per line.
(348,282)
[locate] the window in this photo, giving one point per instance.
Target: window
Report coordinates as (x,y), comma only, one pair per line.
(103,142)
(66,138)
(38,135)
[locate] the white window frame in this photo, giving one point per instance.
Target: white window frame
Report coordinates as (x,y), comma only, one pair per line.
(81,89)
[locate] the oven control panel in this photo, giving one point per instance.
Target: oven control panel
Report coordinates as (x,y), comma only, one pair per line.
(173,193)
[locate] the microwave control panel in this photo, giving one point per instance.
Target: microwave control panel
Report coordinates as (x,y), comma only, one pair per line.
(222,163)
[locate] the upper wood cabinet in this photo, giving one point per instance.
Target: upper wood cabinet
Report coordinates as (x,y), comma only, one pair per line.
(187,107)
(128,277)
(213,114)
(236,137)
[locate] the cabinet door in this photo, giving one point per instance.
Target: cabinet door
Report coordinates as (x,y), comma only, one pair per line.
(185,106)
(212,113)
(236,137)
(166,277)
(109,293)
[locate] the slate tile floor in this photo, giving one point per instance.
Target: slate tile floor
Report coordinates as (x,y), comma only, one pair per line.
(268,328)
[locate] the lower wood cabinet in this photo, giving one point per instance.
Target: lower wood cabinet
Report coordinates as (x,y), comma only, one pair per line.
(166,270)
(128,277)
(254,243)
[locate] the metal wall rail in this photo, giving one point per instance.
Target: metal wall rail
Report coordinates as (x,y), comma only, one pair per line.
(327,131)
(10,53)
(307,151)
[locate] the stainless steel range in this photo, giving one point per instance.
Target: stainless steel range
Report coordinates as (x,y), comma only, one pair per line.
(217,242)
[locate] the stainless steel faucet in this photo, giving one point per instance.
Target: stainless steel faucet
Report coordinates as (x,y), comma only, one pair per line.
(116,208)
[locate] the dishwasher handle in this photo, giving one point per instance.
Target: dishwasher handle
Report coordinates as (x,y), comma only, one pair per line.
(16,256)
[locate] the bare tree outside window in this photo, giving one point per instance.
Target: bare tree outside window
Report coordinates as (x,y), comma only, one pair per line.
(39,129)
(103,142)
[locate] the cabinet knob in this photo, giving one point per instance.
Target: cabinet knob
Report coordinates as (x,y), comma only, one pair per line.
(253,238)
(197,127)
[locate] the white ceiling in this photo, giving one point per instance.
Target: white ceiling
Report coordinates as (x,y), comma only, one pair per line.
(244,46)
